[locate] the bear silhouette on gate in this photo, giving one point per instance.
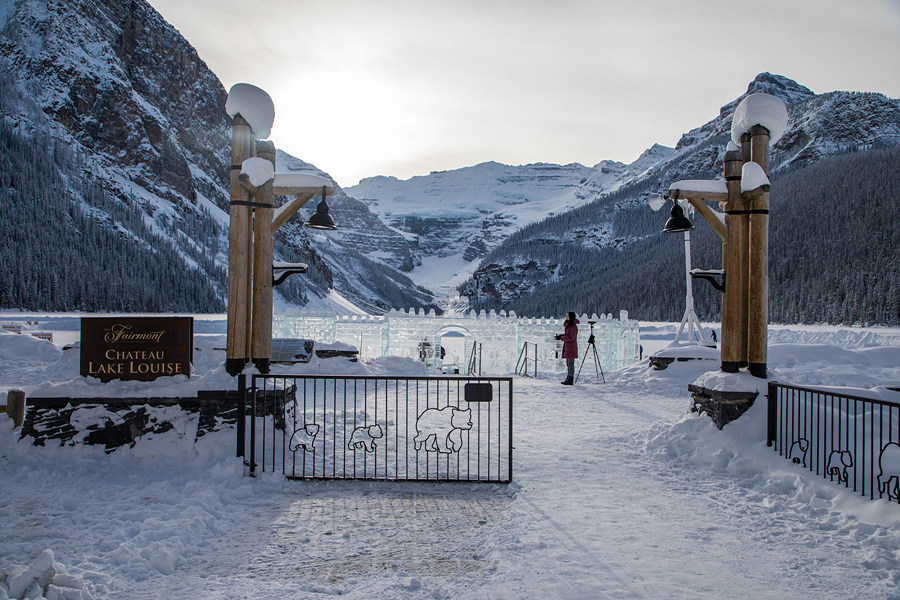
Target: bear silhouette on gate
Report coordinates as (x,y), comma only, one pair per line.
(440,430)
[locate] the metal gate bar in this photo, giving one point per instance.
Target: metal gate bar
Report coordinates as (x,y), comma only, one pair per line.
(383,428)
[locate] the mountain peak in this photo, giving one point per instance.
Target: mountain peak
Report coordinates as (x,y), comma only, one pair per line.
(782,87)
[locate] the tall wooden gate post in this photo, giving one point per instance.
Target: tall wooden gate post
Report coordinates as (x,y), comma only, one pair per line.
(745,252)
(253,221)
(239,243)
(758,305)
(263,254)
(732,307)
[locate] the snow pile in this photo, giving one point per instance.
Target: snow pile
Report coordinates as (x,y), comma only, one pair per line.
(259,170)
(752,177)
(24,347)
(703,186)
(255,105)
(43,578)
(300,180)
(759,109)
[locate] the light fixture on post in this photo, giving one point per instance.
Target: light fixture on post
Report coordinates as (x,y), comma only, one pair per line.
(679,223)
(321,219)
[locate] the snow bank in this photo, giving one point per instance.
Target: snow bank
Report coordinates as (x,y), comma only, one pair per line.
(255,105)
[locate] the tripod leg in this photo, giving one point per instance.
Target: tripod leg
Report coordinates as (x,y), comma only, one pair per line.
(579,368)
(599,366)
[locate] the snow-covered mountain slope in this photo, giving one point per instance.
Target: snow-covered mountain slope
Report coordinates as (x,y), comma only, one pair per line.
(107,95)
(111,101)
(456,217)
(612,236)
(116,152)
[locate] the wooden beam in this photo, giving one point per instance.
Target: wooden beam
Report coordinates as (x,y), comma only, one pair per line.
(711,217)
(700,196)
(732,307)
(296,190)
(758,317)
(284,212)
(710,196)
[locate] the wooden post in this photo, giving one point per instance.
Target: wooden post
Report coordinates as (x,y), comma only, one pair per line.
(239,242)
(15,406)
(758,324)
(745,264)
(261,340)
(731,256)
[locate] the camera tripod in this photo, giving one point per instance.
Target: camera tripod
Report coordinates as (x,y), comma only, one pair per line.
(598,368)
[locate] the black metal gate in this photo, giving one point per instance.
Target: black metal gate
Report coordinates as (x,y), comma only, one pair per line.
(381,428)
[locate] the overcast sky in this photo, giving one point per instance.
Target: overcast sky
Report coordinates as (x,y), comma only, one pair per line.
(405,87)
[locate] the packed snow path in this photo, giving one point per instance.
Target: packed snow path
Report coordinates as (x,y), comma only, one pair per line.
(616,494)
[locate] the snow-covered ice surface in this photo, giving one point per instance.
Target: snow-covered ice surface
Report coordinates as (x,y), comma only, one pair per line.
(619,492)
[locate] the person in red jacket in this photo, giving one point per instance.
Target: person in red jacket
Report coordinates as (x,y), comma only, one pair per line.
(570,346)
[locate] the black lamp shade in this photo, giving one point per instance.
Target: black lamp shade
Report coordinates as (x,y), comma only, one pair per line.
(321,219)
(677,221)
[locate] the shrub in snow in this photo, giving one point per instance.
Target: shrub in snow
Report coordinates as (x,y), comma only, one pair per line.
(255,105)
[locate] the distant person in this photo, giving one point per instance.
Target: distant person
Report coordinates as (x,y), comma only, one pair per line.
(641,353)
(570,346)
(714,336)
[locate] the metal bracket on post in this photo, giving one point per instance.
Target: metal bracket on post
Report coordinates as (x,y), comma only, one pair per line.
(710,276)
(283,270)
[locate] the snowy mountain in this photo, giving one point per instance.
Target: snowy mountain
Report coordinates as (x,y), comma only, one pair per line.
(457,217)
(114,147)
(605,255)
(455,220)
(115,137)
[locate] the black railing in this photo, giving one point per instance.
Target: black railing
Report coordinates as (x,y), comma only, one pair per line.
(524,359)
(384,428)
(850,440)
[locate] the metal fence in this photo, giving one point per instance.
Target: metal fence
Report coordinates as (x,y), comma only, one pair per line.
(528,355)
(846,439)
(381,428)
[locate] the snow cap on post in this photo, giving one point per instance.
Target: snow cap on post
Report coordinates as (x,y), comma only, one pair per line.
(759,109)
(753,177)
(259,170)
(255,105)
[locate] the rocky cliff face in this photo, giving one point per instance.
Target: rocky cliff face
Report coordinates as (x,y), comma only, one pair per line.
(128,88)
(118,87)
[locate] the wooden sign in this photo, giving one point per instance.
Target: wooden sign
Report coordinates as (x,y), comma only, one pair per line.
(136,348)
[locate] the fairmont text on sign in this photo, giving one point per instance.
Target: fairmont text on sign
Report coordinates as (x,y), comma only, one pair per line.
(136,348)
